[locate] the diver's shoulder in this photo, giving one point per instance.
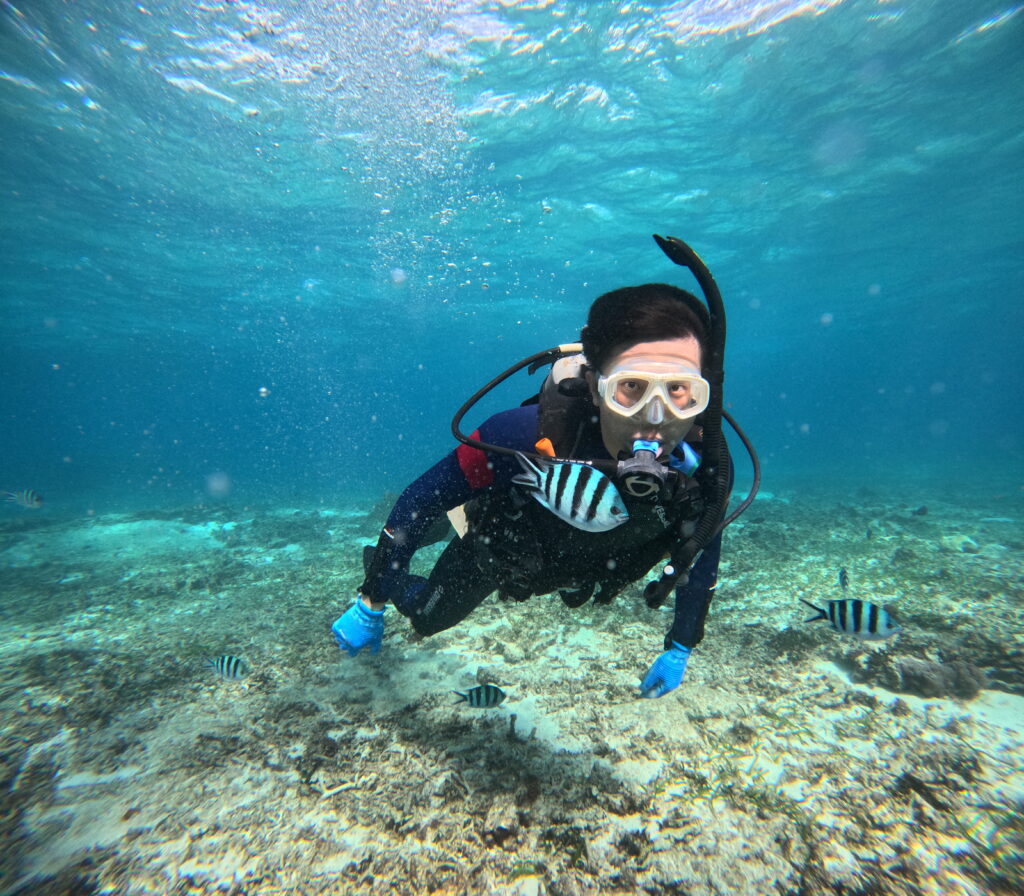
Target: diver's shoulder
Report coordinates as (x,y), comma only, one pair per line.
(525,415)
(512,428)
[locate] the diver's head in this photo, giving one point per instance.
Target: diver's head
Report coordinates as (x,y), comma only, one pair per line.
(644,346)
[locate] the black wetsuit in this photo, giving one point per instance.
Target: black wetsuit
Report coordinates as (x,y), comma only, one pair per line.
(518,547)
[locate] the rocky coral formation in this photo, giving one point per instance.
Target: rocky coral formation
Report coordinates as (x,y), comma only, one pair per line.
(954,678)
(129,768)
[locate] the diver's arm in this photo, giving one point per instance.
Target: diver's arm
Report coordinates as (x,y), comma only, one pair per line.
(438,490)
(694,598)
(452,481)
(361,626)
(692,602)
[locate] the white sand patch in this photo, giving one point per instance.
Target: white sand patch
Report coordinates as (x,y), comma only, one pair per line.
(1000,709)
(639,771)
(65,830)
(530,715)
(230,865)
(110,539)
(91,779)
(355,842)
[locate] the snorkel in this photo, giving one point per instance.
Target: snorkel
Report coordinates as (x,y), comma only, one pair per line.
(716,466)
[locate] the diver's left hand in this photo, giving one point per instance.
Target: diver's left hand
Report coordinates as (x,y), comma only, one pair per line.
(667,672)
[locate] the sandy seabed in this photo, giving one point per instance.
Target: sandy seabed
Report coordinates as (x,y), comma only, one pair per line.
(793,760)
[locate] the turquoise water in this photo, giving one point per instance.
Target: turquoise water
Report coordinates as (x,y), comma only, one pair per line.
(367,209)
(253,259)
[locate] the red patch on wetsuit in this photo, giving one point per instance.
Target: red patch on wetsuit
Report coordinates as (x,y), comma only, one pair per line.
(474,464)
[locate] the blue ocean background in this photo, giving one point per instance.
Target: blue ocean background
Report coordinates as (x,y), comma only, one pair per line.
(262,253)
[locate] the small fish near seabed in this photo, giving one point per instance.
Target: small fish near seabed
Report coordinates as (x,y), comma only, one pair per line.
(483,696)
(844,579)
(856,617)
(228,667)
(28,498)
(579,494)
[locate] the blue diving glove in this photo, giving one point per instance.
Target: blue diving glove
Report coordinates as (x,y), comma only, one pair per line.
(667,672)
(359,627)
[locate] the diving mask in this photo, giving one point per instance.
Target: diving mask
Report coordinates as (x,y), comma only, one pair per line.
(654,388)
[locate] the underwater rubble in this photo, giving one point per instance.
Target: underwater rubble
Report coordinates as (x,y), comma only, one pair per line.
(793,759)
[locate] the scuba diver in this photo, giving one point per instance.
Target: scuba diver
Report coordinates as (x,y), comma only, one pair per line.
(619,464)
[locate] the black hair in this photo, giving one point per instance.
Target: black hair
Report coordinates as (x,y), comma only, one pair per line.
(654,311)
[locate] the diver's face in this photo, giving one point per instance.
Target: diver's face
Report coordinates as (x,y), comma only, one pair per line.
(619,432)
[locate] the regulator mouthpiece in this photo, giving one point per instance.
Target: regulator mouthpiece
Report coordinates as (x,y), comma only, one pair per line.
(641,475)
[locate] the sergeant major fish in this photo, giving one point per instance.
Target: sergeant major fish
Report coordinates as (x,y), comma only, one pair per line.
(856,617)
(229,667)
(579,494)
(27,497)
(482,696)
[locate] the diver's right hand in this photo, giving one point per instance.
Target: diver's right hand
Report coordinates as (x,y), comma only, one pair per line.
(359,627)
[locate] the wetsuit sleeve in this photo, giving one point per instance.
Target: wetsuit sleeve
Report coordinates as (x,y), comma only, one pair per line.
(694,598)
(438,490)
(450,482)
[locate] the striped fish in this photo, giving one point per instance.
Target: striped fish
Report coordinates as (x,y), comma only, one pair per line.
(27,497)
(577,493)
(229,667)
(856,617)
(482,696)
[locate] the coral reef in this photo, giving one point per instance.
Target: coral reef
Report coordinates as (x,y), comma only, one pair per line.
(792,760)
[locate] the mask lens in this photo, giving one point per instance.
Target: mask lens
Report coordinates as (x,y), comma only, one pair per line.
(682,394)
(630,391)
